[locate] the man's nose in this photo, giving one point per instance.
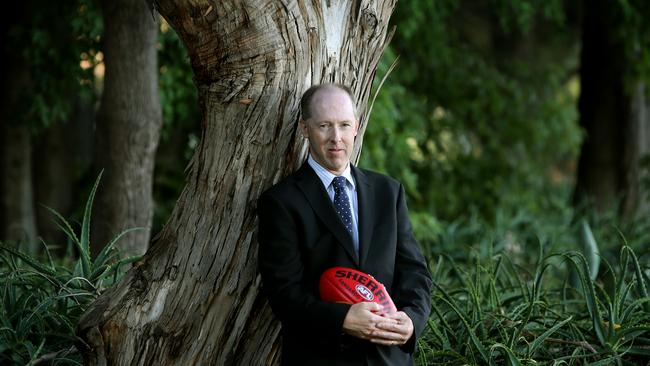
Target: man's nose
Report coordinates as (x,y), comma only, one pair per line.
(336,134)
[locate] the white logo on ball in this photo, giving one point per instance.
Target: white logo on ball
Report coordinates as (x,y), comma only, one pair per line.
(364,292)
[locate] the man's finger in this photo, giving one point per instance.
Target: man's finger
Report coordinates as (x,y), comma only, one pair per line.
(390,336)
(389,339)
(372,306)
(393,327)
(399,315)
(386,342)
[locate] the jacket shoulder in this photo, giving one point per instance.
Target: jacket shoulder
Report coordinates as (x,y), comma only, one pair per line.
(282,188)
(287,188)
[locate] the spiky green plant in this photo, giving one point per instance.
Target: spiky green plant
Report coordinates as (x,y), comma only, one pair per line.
(494,312)
(42,301)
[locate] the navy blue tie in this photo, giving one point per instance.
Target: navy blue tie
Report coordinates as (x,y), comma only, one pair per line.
(342,203)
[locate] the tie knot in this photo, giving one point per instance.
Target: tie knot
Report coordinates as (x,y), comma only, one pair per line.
(338,182)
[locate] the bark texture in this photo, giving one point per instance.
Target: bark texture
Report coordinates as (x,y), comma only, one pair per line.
(194,298)
(128,126)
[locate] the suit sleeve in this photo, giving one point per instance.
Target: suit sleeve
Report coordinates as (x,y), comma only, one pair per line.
(281,268)
(412,281)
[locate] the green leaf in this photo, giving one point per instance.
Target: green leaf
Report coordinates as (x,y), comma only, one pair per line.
(630,310)
(605,361)
(84,243)
(103,256)
(63,225)
(540,340)
(509,355)
(29,260)
(590,249)
(470,331)
(640,280)
(33,354)
(580,266)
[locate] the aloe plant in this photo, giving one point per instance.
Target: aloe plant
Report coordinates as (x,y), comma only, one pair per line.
(495,312)
(42,301)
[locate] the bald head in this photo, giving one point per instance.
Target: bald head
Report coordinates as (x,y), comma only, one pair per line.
(317,91)
(330,124)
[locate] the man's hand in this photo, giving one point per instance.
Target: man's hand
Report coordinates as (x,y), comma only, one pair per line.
(361,320)
(395,329)
(391,329)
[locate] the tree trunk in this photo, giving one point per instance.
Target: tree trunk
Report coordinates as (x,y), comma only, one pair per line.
(128,126)
(54,173)
(61,153)
(638,201)
(18,220)
(194,298)
(605,115)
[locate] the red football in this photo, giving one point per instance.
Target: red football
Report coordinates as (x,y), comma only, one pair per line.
(349,286)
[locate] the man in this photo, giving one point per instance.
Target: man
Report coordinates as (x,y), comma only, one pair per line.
(330,213)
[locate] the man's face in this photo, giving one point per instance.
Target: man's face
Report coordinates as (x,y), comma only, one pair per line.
(331,129)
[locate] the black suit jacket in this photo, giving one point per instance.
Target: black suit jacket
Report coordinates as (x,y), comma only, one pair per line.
(300,236)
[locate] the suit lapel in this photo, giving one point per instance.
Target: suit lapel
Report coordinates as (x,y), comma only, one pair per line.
(365,197)
(312,187)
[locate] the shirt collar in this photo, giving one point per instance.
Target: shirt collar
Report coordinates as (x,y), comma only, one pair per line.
(326,176)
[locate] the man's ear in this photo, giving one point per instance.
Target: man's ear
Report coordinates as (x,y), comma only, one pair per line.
(357,124)
(303,128)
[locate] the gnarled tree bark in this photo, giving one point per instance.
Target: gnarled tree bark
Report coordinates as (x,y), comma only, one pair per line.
(194,298)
